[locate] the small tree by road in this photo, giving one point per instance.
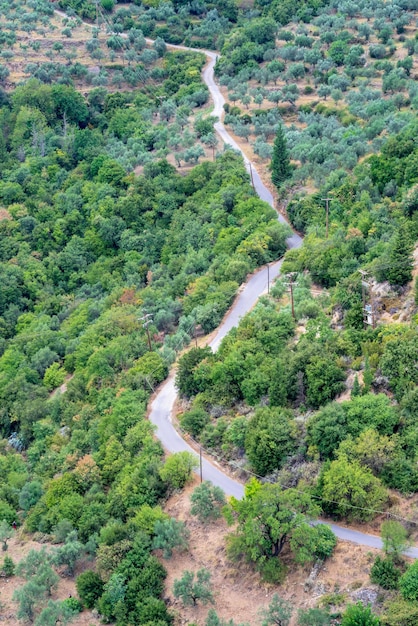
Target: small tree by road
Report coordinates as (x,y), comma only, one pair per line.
(207,501)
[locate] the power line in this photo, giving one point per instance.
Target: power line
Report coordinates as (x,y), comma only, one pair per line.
(300,491)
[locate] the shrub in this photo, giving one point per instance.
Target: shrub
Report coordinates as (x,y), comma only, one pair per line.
(178,468)
(207,501)
(273,571)
(384,573)
(194,421)
(170,534)
(408,583)
(73,604)
(89,588)
(8,567)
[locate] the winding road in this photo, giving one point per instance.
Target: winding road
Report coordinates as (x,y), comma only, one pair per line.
(161,409)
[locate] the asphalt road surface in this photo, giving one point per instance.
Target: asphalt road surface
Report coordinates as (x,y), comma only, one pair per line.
(162,405)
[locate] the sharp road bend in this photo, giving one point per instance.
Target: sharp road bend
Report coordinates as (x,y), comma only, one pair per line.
(162,405)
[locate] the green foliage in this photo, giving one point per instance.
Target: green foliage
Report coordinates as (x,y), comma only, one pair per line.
(8,567)
(325,381)
(385,573)
(311,543)
(400,612)
(359,615)
(89,588)
(408,583)
(280,163)
(177,469)
(207,501)
(69,553)
(185,381)
(194,421)
(270,438)
(46,577)
(266,519)
(328,428)
(272,571)
(29,566)
(28,597)
(395,539)
(170,534)
(56,611)
(192,588)
(351,491)
(108,5)
(146,518)
(54,376)
(400,258)
(30,494)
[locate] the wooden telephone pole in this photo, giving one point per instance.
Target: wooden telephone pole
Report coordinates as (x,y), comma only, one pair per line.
(146,321)
(369,318)
(327,201)
(291,283)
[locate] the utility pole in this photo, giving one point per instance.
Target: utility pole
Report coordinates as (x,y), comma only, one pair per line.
(268,277)
(327,201)
(251,174)
(146,321)
(201,467)
(368,308)
(292,284)
(195,335)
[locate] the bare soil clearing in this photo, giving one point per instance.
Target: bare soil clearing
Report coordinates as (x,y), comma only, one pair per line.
(238,590)
(18,549)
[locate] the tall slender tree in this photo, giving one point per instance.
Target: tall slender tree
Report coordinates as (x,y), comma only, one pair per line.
(400,257)
(280,162)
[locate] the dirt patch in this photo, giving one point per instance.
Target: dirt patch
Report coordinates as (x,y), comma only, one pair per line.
(18,549)
(238,591)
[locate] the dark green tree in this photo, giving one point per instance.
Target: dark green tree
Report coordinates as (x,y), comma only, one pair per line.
(280,162)
(89,588)
(270,438)
(408,583)
(400,257)
(194,421)
(185,381)
(384,573)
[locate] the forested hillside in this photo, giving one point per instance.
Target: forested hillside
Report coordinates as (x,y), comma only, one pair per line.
(118,249)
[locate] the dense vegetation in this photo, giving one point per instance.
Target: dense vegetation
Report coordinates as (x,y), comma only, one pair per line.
(111,261)
(87,250)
